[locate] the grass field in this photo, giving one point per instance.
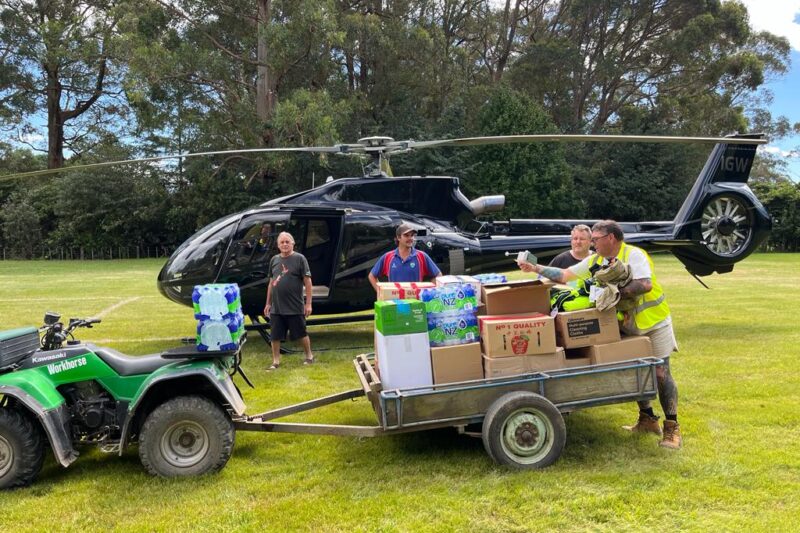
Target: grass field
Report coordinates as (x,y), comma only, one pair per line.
(738,373)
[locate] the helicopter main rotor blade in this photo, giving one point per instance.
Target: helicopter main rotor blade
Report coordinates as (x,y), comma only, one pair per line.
(509,139)
(309,149)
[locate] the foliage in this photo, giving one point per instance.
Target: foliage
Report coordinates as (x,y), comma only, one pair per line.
(782,200)
(533,176)
(152,77)
(739,386)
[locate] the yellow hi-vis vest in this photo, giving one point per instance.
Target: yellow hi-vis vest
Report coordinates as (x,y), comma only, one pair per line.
(651,307)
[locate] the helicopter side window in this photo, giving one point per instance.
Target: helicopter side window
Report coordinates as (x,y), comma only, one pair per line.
(255,242)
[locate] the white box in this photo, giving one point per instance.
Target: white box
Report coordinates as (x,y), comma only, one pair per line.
(404,360)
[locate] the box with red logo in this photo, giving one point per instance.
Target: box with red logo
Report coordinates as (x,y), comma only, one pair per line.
(402,291)
(512,335)
(497,367)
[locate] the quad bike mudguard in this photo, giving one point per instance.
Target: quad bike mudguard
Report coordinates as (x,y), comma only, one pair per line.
(54,420)
(207,369)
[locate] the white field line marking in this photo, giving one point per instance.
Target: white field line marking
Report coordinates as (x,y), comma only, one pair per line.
(117,305)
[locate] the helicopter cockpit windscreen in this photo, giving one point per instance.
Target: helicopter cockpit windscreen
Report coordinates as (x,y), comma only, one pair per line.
(201,255)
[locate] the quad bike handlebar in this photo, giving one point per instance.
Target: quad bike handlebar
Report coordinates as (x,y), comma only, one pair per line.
(54,334)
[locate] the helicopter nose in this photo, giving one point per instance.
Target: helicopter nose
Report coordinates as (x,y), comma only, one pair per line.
(171,284)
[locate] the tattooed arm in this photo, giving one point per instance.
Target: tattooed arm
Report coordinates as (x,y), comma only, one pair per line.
(559,275)
(636,287)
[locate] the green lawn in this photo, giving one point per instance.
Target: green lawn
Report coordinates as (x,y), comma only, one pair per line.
(738,373)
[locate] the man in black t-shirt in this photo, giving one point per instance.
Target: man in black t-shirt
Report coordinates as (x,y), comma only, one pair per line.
(288,275)
(579,248)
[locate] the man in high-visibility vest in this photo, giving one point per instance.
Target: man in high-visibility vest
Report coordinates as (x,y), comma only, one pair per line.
(650,316)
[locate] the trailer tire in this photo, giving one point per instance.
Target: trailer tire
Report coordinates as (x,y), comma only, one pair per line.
(21,448)
(524,430)
(186,436)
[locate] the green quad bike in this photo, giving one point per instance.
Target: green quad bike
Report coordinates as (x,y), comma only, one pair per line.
(177,405)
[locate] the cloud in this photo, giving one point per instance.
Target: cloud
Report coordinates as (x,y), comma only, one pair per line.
(781,17)
(776,150)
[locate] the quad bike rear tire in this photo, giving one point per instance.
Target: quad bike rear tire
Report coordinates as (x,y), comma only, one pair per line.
(21,448)
(186,436)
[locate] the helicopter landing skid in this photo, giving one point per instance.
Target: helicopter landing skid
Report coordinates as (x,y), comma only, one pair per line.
(262,327)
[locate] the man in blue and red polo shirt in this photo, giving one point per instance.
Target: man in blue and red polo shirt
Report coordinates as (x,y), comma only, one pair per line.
(404,263)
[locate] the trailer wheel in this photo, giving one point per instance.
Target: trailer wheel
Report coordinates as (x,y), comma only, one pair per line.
(186,436)
(21,449)
(523,430)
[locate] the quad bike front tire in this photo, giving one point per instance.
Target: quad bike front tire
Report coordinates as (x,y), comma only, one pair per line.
(186,436)
(21,448)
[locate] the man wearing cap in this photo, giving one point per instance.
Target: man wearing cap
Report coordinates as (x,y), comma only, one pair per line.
(404,263)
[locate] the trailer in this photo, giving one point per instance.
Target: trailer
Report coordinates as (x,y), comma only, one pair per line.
(521,418)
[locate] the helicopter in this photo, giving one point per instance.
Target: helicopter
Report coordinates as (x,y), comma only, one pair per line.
(343,226)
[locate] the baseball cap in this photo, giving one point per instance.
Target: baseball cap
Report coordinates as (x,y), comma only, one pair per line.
(404,228)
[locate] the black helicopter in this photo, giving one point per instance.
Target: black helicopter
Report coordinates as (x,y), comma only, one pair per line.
(344,225)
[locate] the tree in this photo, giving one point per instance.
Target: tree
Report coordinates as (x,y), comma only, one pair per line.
(20,226)
(532,176)
(63,62)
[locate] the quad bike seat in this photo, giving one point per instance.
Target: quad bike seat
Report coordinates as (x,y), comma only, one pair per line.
(130,365)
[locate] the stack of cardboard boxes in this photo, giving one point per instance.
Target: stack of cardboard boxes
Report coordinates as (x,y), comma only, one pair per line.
(516,334)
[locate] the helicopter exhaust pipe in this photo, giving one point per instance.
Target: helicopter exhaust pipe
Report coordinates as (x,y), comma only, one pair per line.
(488,204)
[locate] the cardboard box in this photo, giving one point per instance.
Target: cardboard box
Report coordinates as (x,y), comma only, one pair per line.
(404,360)
(514,335)
(578,357)
(441,281)
(495,367)
(401,291)
(400,317)
(515,297)
(586,327)
(628,348)
(457,363)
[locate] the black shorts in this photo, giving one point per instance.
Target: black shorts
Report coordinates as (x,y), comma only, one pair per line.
(279,325)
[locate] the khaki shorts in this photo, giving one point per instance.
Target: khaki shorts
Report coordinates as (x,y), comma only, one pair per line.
(663,341)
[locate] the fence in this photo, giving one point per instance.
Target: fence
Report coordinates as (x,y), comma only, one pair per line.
(83,253)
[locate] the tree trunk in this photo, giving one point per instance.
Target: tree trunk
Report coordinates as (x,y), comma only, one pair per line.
(55,122)
(265,94)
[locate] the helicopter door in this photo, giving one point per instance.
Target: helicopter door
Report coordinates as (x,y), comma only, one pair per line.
(317,238)
(252,246)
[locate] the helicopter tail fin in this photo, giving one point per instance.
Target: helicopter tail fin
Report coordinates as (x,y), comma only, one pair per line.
(721,221)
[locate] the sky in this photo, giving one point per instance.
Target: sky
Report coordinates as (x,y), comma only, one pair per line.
(782,17)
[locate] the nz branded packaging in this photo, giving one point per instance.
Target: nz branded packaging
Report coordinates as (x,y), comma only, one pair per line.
(457,363)
(515,297)
(634,347)
(220,322)
(575,329)
(443,281)
(402,290)
(400,317)
(452,327)
(496,367)
(451,297)
(515,335)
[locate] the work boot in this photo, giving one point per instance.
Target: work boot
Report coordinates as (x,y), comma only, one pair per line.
(645,424)
(672,435)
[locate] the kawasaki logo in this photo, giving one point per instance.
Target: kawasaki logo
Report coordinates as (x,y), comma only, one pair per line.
(48,357)
(62,366)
